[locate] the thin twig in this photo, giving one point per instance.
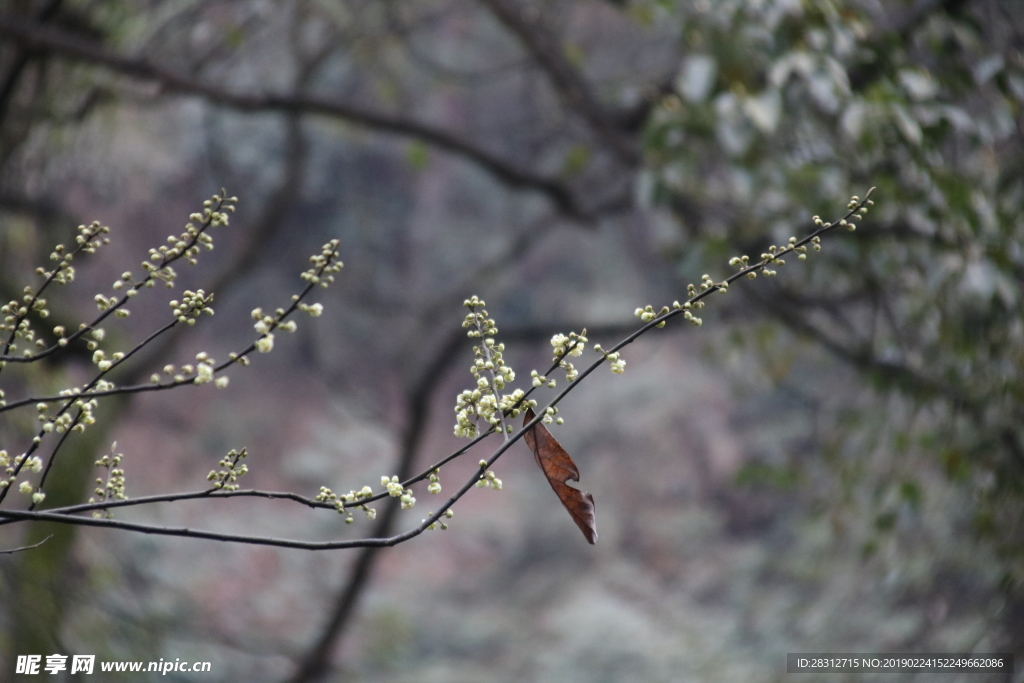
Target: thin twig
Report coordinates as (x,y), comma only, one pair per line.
(23,548)
(567,81)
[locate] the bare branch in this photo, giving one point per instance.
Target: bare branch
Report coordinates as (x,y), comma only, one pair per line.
(708,288)
(44,38)
(23,548)
(570,84)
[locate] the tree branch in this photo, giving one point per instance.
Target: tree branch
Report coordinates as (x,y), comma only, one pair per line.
(23,548)
(694,301)
(21,61)
(46,39)
(568,82)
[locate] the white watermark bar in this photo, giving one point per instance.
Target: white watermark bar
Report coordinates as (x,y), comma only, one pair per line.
(896,662)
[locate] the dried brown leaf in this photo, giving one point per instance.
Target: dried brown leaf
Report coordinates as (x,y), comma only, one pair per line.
(559,468)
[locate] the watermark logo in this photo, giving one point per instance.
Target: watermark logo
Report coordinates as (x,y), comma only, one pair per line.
(86,664)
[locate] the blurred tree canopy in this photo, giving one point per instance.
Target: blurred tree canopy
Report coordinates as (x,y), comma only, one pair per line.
(781,107)
(700,129)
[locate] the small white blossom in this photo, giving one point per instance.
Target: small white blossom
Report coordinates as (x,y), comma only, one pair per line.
(558,342)
(204,373)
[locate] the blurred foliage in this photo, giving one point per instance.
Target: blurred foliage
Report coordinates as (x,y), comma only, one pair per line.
(780,108)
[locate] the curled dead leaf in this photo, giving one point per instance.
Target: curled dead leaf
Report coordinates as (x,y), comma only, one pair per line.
(559,468)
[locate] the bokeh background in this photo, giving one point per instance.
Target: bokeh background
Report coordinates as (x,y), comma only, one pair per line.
(833,462)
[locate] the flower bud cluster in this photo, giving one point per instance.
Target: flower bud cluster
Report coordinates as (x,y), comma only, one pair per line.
(193,239)
(686,308)
(232,468)
(16,320)
(434,487)
(200,373)
(314,310)
(27,488)
(491,374)
(771,257)
(340,502)
(15,313)
(615,360)
(12,466)
(63,421)
(647,314)
(448,514)
(104,362)
(88,239)
(264,324)
(204,370)
(396,490)
(801,250)
(572,345)
(859,214)
(549,416)
(157,267)
(111,487)
(324,265)
(488,479)
(321,272)
(190,307)
(539,380)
